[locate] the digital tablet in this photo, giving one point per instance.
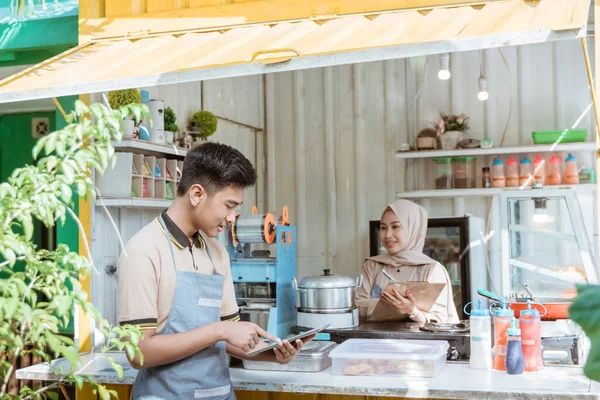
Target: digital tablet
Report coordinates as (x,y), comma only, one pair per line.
(270,345)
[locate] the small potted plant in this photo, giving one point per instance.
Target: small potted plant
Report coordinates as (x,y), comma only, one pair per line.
(170,126)
(203,125)
(121,98)
(451,129)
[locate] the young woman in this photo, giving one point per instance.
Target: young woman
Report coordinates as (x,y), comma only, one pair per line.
(402,231)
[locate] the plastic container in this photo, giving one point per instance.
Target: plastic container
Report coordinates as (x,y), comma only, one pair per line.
(502,318)
(571,171)
(539,170)
(464,172)
(498,178)
(554,172)
(512,172)
(587,175)
(515,362)
(419,358)
(443,172)
(481,338)
(486,180)
(525,172)
(531,338)
(563,136)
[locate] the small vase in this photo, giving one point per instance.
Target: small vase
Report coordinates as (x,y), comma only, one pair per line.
(449,140)
(128,128)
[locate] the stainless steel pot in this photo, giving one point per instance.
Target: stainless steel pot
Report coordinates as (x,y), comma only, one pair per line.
(327,292)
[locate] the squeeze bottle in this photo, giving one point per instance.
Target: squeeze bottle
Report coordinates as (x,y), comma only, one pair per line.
(514,354)
(481,338)
(531,337)
(502,318)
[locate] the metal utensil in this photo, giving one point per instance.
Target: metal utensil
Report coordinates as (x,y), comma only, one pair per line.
(528,290)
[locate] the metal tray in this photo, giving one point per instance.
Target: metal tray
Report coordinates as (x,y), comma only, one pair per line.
(314,357)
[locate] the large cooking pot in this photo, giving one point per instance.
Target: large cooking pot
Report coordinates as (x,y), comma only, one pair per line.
(327,291)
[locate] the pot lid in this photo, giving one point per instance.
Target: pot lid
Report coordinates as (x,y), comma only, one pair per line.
(327,281)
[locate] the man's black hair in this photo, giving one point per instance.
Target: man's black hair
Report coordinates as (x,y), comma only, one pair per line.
(215,166)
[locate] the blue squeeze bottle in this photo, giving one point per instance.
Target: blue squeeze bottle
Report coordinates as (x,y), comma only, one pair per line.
(515,361)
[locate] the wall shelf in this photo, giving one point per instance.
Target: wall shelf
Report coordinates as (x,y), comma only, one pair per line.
(149,148)
(480,192)
(132,202)
(538,148)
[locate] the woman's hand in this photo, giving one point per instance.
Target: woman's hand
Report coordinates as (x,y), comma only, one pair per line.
(406,304)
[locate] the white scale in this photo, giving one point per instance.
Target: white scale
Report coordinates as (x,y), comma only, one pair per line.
(335,321)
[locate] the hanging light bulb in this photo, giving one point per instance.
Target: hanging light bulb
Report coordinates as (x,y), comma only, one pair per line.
(483,94)
(444,72)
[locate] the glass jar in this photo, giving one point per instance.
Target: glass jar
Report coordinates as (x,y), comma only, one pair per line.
(464,172)
(443,173)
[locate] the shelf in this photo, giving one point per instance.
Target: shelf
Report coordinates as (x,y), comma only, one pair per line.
(479,192)
(537,148)
(545,271)
(132,202)
(148,148)
(545,232)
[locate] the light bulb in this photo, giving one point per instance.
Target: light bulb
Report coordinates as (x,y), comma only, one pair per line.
(483,94)
(444,72)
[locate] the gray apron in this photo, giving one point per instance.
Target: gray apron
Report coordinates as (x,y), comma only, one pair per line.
(205,374)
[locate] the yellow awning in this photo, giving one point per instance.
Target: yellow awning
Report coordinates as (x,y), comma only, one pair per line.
(184,56)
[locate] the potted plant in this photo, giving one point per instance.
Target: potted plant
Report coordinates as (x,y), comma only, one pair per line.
(451,129)
(203,125)
(40,289)
(170,126)
(121,98)
(585,311)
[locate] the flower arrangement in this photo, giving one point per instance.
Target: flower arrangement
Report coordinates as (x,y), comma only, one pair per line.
(451,122)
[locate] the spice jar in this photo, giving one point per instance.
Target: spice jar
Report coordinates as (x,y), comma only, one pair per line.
(486,180)
(464,172)
(443,173)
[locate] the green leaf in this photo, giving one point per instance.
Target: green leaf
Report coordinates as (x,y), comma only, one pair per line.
(27,223)
(118,369)
(78,381)
(66,193)
(68,171)
(585,311)
(35,152)
(70,353)
(129,349)
(103,393)
(52,395)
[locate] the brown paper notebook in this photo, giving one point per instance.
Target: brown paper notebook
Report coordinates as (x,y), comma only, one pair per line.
(425,293)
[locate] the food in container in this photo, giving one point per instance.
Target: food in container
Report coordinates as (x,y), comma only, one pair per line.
(554,172)
(512,172)
(571,171)
(443,172)
(539,170)
(464,172)
(498,178)
(419,358)
(525,172)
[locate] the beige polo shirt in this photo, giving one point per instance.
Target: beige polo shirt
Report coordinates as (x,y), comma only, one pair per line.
(147,275)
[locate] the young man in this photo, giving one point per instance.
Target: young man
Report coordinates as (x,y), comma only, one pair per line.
(175,282)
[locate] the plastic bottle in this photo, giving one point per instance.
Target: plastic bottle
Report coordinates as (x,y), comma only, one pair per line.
(554,173)
(481,338)
(512,172)
(515,363)
(571,171)
(531,336)
(498,178)
(539,170)
(525,172)
(502,318)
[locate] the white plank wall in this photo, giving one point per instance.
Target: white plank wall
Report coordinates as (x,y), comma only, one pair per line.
(330,136)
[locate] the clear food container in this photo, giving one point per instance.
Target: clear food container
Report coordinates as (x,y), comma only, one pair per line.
(464,172)
(419,358)
(443,172)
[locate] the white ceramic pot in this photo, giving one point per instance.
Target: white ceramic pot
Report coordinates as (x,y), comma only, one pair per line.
(128,128)
(450,139)
(169,137)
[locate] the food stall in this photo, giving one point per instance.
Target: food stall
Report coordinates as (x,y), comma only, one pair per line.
(336,40)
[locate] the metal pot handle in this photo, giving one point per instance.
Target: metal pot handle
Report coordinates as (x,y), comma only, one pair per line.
(295,285)
(359,280)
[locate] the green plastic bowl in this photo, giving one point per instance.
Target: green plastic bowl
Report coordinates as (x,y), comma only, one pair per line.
(564,136)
